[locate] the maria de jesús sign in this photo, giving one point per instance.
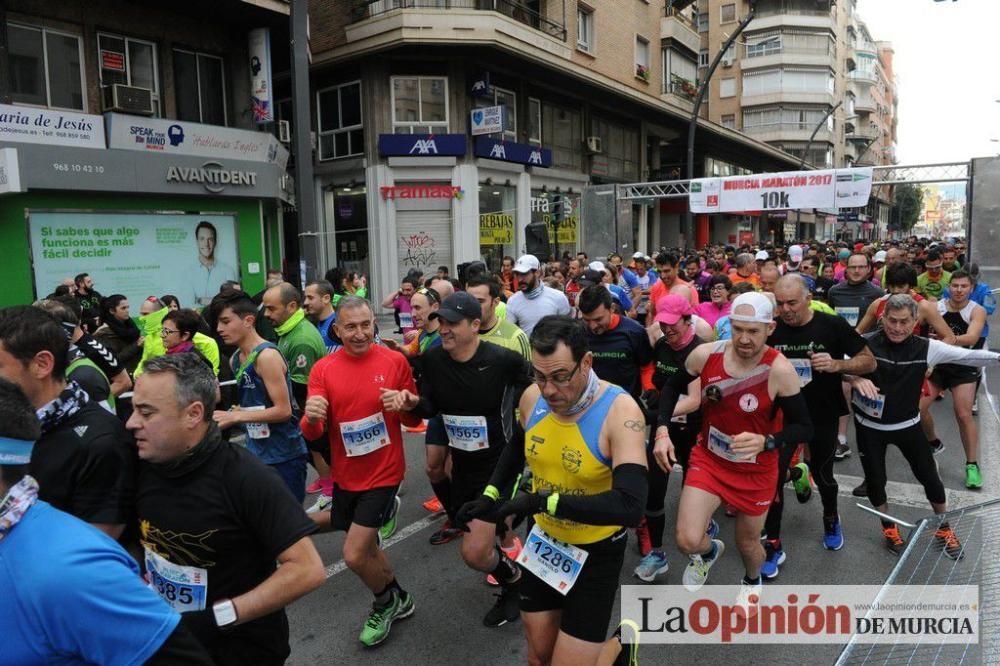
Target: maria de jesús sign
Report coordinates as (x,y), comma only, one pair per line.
(20,124)
(830,188)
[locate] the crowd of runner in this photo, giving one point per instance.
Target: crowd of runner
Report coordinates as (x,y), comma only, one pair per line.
(555,400)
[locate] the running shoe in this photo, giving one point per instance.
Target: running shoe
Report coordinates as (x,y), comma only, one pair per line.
(505,609)
(937,446)
(511,554)
(833,538)
(893,541)
(861,490)
(774,557)
(323,503)
(434,505)
(389,528)
(314,487)
(696,572)
(748,599)
(380,620)
(973,477)
(803,490)
(643,542)
(975,407)
(842,451)
(946,539)
(652,566)
(627,634)
(444,534)
(713,529)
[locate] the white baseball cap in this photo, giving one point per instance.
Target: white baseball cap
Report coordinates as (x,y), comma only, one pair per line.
(526,264)
(795,254)
(638,255)
(596,266)
(880,256)
(763,310)
(761,255)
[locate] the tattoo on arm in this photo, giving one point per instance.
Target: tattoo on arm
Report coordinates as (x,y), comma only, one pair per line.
(636,426)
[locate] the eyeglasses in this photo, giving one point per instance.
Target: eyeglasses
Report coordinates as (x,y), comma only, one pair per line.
(559,379)
(431,294)
(164,332)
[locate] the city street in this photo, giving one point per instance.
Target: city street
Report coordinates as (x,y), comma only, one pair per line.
(451,599)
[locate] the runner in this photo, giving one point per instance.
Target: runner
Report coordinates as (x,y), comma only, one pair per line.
(816,344)
(883,416)
(491,329)
(533,300)
(215,522)
(474,387)
(752,407)
(265,410)
(366,446)
(644,280)
(932,282)
(584,446)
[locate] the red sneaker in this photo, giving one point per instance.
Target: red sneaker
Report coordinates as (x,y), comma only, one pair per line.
(511,553)
(433,505)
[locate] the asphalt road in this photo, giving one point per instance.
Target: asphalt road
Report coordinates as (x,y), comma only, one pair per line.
(451,600)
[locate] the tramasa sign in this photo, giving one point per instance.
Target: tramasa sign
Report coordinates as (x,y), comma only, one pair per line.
(421,192)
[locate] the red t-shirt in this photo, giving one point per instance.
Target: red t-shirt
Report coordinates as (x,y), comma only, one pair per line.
(351,385)
(659,290)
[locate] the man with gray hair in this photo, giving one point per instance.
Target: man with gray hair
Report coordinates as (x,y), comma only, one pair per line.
(215,522)
(883,416)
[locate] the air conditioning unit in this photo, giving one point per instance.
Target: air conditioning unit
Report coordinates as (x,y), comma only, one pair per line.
(284,131)
(594,144)
(128,99)
(727,62)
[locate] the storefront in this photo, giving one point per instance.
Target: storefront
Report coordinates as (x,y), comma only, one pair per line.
(168,208)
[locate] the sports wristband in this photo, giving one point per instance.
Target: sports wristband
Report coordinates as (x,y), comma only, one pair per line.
(491,492)
(551,503)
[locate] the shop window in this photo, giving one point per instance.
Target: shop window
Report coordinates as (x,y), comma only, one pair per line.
(497,215)
(46,67)
(130,62)
(200,86)
(339,121)
(420,104)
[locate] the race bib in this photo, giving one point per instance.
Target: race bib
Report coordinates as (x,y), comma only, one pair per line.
(804,369)
(683,418)
(873,407)
(257,430)
(721,444)
(405,320)
(365,435)
(467,433)
(183,588)
(850,314)
(558,564)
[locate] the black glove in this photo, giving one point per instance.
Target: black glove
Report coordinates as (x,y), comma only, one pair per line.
(480,507)
(524,504)
(651,399)
(201,624)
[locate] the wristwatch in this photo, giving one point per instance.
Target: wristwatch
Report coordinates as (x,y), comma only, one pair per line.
(769,443)
(225,613)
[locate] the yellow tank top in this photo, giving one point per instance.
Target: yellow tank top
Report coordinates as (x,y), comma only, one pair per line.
(566,458)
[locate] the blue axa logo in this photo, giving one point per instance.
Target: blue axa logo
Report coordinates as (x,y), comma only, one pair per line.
(176,135)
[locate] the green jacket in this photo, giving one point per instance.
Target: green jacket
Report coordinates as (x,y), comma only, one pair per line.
(301,344)
(152,324)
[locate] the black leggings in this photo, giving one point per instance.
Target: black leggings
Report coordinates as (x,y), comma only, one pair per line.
(912,443)
(821,449)
(683,437)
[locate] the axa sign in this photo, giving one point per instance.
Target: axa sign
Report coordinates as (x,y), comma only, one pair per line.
(424,147)
(212,176)
(421,145)
(509,151)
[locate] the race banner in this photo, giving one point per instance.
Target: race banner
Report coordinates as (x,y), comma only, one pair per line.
(830,188)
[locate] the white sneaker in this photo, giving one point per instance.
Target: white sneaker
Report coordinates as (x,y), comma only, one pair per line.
(975,407)
(748,599)
(323,503)
(696,572)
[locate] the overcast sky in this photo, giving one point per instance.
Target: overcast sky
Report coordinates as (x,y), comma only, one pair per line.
(945,62)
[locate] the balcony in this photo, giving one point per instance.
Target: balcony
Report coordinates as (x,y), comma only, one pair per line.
(863,77)
(805,19)
(865,104)
(681,89)
(520,12)
(783,132)
(791,57)
(680,30)
(824,98)
(863,134)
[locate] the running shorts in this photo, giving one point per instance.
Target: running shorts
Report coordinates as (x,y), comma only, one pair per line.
(367,508)
(751,494)
(950,374)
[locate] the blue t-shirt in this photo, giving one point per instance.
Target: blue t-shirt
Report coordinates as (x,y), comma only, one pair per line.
(619,295)
(326,332)
(630,279)
(70,595)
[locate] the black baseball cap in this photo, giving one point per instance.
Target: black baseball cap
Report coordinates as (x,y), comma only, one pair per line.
(460,305)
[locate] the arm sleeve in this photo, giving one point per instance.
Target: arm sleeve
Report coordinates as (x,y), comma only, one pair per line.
(405,380)
(622,505)
(798,426)
(511,461)
(671,392)
(425,409)
(316,386)
(103,357)
(939,352)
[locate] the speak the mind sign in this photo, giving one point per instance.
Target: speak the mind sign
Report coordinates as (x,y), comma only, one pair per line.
(831,188)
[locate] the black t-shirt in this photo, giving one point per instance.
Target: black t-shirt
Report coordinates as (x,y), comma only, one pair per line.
(667,362)
(489,384)
(825,333)
(823,286)
(619,354)
(230,515)
(85,466)
(102,357)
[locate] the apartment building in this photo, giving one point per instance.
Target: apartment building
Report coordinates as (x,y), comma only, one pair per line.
(795,62)
(592,93)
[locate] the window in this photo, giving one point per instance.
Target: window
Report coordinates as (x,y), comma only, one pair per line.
(129,62)
(703,58)
(759,46)
(584,29)
(703,22)
(785,118)
(730,54)
(788,80)
(562,129)
(727,13)
(508,100)
(46,67)
(200,85)
(729,121)
(727,87)
(419,104)
(534,121)
(642,58)
(680,74)
(339,121)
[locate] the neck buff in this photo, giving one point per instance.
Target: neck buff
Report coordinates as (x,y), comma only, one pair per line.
(18,500)
(69,402)
(593,383)
(194,457)
(684,341)
(534,293)
(291,323)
